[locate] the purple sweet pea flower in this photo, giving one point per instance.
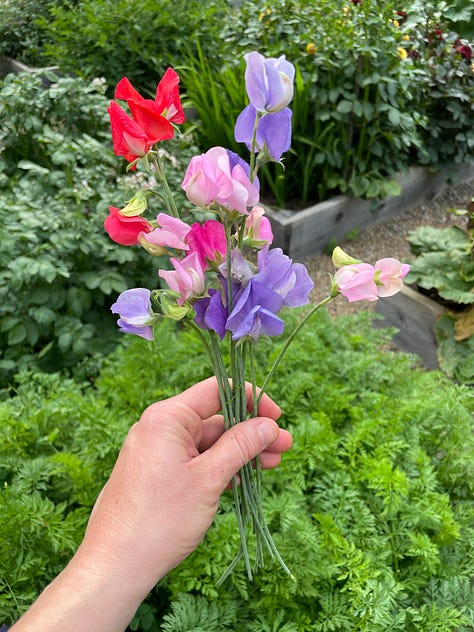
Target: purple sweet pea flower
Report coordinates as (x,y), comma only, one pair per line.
(240,269)
(134,309)
(273,131)
(289,280)
(254,312)
(269,82)
(211,313)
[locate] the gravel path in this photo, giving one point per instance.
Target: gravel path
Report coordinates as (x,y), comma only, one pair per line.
(387,239)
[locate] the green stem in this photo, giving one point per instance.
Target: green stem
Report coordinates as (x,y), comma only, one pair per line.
(253,153)
(289,340)
(169,198)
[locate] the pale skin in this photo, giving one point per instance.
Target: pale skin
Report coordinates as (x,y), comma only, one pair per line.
(155,509)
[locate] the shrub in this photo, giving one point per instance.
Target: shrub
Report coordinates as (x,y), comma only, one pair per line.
(21,37)
(372,508)
(351,127)
(59,271)
(365,108)
(446,94)
(137,38)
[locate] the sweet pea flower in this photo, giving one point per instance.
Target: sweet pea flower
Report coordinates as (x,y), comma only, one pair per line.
(356,282)
(211,313)
(154,117)
(258,230)
(125,230)
(273,131)
(289,280)
(171,233)
(240,269)
(187,278)
(129,139)
(208,241)
(269,82)
(389,273)
(254,313)
(210,179)
(134,309)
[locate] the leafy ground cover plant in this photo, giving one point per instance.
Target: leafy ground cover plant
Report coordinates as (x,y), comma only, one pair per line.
(373,505)
(444,269)
(58,270)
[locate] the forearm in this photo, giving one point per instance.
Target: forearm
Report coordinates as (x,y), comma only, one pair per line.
(83,599)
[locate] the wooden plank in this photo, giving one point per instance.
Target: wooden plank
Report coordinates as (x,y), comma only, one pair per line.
(414,315)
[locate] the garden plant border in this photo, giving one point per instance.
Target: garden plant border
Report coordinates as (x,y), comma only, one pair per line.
(309,231)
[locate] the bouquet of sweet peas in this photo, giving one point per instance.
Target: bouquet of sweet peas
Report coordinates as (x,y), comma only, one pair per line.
(224,280)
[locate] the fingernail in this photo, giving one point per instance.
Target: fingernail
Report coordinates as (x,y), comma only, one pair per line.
(267,431)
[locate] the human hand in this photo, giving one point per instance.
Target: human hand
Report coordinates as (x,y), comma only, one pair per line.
(156,506)
(165,488)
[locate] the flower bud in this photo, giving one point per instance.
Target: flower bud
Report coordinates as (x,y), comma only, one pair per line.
(135,206)
(341,258)
(171,309)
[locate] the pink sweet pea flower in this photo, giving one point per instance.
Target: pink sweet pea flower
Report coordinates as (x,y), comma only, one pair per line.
(389,273)
(258,229)
(210,178)
(171,233)
(356,282)
(208,241)
(125,230)
(187,278)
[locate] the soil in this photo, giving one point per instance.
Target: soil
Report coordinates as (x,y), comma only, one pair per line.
(388,239)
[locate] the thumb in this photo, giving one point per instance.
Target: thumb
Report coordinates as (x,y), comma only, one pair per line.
(239,445)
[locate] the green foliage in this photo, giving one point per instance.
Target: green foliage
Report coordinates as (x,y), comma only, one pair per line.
(455,353)
(361,111)
(446,93)
(21,37)
(367,508)
(351,97)
(444,267)
(444,261)
(136,38)
(372,507)
(58,442)
(59,271)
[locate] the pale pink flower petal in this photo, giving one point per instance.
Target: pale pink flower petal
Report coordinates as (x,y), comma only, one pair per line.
(389,275)
(356,282)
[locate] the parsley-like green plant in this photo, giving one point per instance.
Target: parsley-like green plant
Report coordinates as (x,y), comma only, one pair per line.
(372,506)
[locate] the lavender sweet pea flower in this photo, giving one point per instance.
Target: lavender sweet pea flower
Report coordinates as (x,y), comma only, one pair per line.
(269,82)
(240,269)
(134,309)
(254,312)
(290,280)
(273,131)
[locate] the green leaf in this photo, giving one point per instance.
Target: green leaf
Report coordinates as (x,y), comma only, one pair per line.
(17,334)
(27,165)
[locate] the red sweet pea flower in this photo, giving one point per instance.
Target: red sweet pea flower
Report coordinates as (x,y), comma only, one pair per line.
(125,230)
(130,141)
(154,117)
